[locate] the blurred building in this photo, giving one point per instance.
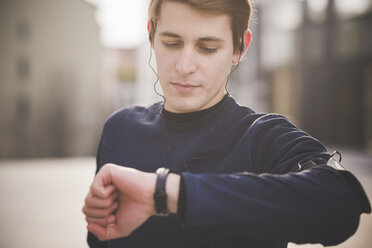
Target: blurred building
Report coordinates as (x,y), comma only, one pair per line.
(335,48)
(312,62)
(50,58)
(118,78)
(147,84)
(127,78)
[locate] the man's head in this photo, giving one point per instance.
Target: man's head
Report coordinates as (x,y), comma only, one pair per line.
(239,12)
(196,44)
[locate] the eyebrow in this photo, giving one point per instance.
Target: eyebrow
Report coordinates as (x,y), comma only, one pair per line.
(203,39)
(169,34)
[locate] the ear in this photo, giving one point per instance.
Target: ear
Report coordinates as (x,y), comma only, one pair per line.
(148,31)
(238,56)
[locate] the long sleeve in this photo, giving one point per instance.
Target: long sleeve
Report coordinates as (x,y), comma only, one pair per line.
(314,206)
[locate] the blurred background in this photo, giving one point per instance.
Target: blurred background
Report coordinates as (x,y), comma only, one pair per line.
(66,65)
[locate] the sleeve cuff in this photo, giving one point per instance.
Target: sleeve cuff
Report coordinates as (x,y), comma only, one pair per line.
(182,200)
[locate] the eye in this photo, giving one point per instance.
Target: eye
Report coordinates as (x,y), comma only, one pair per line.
(171,44)
(208,50)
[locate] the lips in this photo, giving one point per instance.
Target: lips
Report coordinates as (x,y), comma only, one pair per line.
(184,87)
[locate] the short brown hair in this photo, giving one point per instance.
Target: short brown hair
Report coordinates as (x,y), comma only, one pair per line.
(239,12)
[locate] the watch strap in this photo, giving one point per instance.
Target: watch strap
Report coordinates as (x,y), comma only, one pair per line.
(160,195)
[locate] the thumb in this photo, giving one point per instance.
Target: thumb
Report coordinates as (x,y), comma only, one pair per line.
(103,233)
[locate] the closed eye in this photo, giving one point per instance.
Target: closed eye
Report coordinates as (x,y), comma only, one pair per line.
(171,44)
(208,49)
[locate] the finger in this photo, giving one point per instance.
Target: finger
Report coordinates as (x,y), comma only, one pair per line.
(95,202)
(99,212)
(100,190)
(102,221)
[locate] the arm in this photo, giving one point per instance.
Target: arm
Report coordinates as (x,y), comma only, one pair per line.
(314,206)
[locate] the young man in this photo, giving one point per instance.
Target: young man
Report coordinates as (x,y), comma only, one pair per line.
(238,178)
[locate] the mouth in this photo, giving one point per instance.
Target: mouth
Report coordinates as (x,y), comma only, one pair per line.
(184,87)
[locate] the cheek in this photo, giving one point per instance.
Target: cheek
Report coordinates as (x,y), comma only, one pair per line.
(219,68)
(163,57)
(162,65)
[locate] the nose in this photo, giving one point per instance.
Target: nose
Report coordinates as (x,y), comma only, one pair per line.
(186,63)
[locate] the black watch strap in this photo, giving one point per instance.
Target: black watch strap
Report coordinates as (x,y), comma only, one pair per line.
(160,195)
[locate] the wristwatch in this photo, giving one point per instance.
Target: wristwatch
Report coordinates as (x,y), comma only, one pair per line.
(160,195)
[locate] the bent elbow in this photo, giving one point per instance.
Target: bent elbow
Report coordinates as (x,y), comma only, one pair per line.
(341,230)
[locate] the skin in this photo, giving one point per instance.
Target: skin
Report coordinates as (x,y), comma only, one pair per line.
(194,54)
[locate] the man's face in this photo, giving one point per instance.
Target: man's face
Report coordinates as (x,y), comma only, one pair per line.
(194,55)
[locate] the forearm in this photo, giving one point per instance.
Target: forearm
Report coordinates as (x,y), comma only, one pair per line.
(314,206)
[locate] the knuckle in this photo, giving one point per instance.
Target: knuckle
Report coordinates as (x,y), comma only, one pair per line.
(106,204)
(92,188)
(107,166)
(108,212)
(114,197)
(84,210)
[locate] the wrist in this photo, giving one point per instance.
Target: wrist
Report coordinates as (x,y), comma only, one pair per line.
(172,188)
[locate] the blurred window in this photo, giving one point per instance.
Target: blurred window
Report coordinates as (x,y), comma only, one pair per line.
(317,10)
(350,8)
(348,39)
(286,15)
(23,68)
(23,30)
(315,44)
(23,109)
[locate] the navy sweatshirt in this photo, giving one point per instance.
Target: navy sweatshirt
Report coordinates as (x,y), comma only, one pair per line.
(243,182)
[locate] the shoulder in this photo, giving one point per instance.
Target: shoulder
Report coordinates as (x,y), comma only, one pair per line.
(131,116)
(264,122)
(257,121)
(274,143)
(272,128)
(134,113)
(279,145)
(258,124)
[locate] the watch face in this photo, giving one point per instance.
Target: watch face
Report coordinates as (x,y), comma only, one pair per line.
(162,214)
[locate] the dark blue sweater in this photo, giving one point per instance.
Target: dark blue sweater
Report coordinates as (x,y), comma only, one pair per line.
(242,181)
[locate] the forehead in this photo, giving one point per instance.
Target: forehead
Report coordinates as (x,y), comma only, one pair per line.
(186,21)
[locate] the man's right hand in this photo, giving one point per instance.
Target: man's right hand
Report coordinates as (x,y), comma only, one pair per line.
(119,201)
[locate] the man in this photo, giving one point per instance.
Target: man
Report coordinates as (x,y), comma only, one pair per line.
(237,178)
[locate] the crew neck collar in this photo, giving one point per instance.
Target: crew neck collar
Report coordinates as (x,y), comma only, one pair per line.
(185,122)
(191,116)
